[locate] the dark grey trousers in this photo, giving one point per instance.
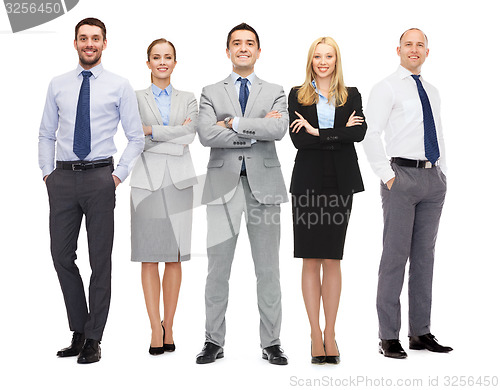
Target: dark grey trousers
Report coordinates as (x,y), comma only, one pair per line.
(412,209)
(71,196)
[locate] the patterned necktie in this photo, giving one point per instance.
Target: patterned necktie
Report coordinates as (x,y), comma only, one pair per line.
(243,94)
(430,138)
(81,138)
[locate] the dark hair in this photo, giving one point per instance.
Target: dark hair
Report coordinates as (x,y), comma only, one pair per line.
(413,28)
(243,26)
(161,40)
(91,22)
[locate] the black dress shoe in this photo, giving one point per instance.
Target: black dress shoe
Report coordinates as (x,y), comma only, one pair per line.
(91,352)
(275,355)
(209,353)
(392,348)
(333,359)
(76,346)
(429,342)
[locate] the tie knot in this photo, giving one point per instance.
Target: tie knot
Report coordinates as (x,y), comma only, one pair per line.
(86,73)
(416,77)
(243,81)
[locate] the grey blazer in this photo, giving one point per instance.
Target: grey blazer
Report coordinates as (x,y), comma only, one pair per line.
(169,145)
(228,148)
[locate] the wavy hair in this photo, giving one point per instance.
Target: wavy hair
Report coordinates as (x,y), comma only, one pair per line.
(307,94)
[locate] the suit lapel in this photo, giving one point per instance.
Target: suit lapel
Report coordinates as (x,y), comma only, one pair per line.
(254,93)
(174,107)
(152,105)
(231,92)
(340,116)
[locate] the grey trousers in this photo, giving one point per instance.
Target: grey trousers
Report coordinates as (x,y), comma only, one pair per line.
(71,196)
(263,226)
(411,209)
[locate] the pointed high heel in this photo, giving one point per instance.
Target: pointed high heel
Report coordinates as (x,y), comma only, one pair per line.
(333,359)
(317,359)
(157,350)
(167,347)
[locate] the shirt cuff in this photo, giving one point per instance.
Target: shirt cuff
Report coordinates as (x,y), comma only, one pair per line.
(236,122)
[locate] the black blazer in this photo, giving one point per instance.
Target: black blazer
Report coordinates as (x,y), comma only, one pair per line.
(335,145)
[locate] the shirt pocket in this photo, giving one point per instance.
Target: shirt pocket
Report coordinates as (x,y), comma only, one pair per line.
(412,110)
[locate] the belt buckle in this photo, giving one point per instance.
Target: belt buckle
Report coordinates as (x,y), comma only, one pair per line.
(78,167)
(428,165)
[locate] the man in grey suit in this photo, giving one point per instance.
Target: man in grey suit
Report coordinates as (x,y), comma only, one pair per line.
(240,118)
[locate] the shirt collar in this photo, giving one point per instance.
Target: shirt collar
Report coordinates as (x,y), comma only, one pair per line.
(404,73)
(318,91)
(96,70)
(157,91)
(250,78)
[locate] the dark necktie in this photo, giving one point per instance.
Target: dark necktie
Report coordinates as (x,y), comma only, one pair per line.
(243,94)
(81,138)
(430,138)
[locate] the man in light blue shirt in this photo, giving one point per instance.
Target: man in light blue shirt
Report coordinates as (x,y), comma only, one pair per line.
(81,115)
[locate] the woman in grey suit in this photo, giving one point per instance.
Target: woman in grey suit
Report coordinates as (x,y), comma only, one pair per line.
(162,191)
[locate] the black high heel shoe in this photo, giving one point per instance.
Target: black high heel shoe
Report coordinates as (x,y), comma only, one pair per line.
(167,347)
(333,359)
(317,359)
(157,350)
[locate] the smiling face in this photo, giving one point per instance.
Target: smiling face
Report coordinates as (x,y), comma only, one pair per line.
(413,50)
(323,61)
(89,44)
(161,62)
(243,52)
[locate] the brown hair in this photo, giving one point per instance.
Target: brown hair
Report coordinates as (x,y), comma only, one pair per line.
(156,42)
(91,22)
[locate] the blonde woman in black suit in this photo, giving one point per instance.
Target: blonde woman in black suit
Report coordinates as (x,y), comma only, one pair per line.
(326,119)
(162,191)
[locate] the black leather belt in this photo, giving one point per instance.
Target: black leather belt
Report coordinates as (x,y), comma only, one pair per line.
(405,162)
(84,165)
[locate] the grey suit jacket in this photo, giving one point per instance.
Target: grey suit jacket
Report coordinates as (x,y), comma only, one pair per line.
(169,144)
(228,148)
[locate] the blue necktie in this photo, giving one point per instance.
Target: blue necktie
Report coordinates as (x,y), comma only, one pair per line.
(430,138)
(243,94)
(81,138)
(243,98)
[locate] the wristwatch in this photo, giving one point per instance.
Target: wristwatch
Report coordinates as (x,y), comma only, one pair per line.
(227,120)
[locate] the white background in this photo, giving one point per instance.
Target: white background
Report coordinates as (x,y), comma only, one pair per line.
(463,64)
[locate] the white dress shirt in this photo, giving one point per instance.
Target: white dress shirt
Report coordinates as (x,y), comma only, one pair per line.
(394,108)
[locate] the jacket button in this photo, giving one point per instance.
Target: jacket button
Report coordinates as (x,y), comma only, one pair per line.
(240,158)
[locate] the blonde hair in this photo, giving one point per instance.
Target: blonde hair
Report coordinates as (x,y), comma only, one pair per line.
(307,94)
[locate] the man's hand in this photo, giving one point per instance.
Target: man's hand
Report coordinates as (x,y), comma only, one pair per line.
(45,178)
(116,180)
(148,130)
(390,182)
(273,114)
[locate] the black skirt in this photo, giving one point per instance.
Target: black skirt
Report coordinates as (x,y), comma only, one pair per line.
(320,224)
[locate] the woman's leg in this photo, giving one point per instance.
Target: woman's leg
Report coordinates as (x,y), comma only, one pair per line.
(330,292)
(172,278)
(311,292)
(151,287)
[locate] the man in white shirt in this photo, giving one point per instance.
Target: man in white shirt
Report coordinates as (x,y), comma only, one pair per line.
(406,109)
